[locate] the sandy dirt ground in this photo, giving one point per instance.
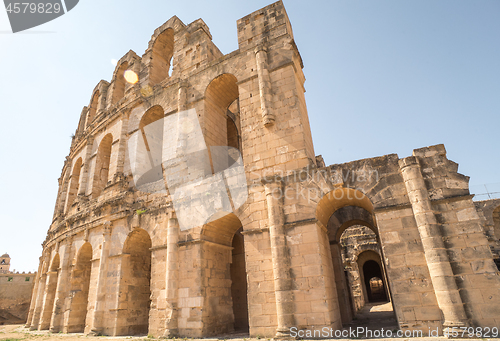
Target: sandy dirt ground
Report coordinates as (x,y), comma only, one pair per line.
(19,333)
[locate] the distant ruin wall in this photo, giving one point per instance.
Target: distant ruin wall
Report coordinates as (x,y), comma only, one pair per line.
(15,297)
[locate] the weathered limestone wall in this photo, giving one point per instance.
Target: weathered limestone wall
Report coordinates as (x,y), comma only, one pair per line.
(261,296)
(464,237)
(15,296)
(489,211)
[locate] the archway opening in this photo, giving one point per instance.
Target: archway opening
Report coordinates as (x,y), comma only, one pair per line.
(74,183)
(135,278)
(50,293)
(226,283)
(239,284)
(101,170)
(93,108)
(233,125)
(221,119)
(342,211)
(152,136)
(119,90)
(356,240)
(79,292)
(374,286)
(163,50)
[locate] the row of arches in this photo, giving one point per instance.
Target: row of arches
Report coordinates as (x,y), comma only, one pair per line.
(226,249)
(101,173)
(159,69)
(221,124)
(135,287)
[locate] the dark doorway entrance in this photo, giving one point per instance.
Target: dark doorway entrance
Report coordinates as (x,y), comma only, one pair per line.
(374,285)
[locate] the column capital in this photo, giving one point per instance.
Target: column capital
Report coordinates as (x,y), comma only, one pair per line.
(408,161)
(259,48)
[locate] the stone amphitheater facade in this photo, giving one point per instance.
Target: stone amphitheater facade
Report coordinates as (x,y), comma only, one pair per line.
(117,262)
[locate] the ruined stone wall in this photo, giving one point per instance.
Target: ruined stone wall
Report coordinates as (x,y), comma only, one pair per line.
(15,296)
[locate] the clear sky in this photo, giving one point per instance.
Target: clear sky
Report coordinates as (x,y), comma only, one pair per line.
(382,77)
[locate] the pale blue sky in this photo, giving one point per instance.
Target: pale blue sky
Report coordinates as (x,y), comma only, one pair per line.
(381,77)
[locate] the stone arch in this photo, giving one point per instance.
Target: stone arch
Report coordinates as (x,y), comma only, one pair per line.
(135,277)
(74,183)
(225,281)
(369,270)
(338,210)
(79,290)
(161,59)
(151,115)
(119,86)
(221,230)
(94,105)
(154,147)
(42,280)
(354,241)
(101,170)
(339,198)
(50,293)
(97,102)
(348,216)
(220,122)
(81,122)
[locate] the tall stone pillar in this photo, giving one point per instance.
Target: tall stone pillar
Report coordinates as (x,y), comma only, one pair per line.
(268,117)
(182,96)
(39,301)
(96,323)
(122,148)
(280,258)
(48,299)
(84,176)
(34,294)
(63,188)
(61,295)
(443,281)
(172,278)
(340,285)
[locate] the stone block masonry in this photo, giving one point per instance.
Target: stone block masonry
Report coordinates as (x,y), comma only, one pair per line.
(117,262)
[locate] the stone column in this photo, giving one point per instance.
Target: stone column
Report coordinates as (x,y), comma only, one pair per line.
(38,302)
(172,278)
(34,294)
(48,300)
(122,148)
(443,280)
(340,285)
(61,295)
(268,117)
(84,176)
(280,258)
(96,323)
(182,96)
(61,201)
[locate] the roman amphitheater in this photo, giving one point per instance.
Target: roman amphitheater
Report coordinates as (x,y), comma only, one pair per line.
(267,237)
